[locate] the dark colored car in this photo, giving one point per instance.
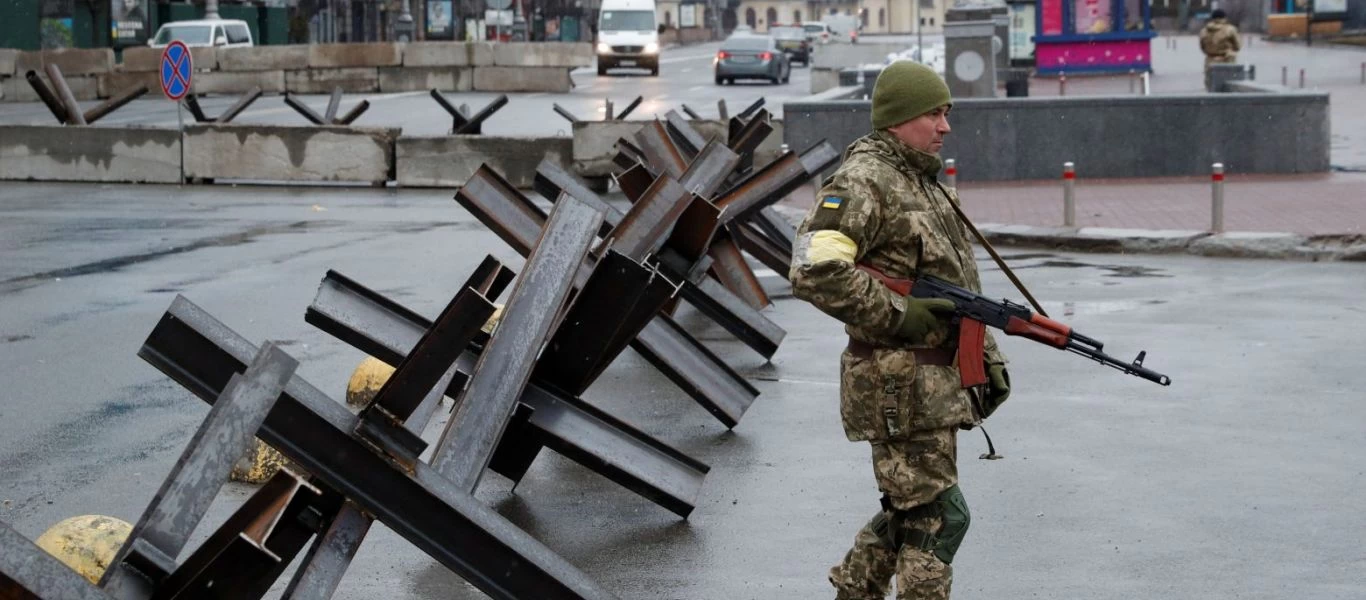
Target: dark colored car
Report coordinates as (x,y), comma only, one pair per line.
(792,40)
(751,57)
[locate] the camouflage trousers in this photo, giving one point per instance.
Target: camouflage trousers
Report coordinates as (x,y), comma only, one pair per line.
(911,472)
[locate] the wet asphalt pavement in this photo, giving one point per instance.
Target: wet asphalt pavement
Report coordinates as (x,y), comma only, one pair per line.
(1241,480)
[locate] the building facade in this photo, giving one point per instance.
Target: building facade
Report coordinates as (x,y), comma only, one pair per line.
(875,16)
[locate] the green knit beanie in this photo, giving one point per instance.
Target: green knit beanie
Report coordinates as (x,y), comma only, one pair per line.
(905,90)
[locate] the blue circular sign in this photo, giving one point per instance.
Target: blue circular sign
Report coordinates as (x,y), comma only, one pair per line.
(177,68)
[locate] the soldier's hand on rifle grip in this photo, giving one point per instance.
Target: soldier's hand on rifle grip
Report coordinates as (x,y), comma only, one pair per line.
(922,317)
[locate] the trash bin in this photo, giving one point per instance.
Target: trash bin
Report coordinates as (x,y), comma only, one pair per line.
(1017,83)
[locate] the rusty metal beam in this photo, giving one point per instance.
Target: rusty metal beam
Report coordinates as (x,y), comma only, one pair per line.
(648,223)
(689,141)
(730,267)
(749,110)
(562,422)
(505,366)
(312,430)
(681,357)
(333,103)
(475,124)
(770,184)
(753,133)
(707,173)
(196,111)
(45,94)
(73,108)
(634,181)
(692,114)
(775,227)
(148,555)
(115,103)
(304,110)
(236,109)
(560,110)
(629,107)
(660,151)
(355,113)
(758,245)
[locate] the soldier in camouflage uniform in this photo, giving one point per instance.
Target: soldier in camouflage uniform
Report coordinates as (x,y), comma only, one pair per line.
(884,209)
(1219,40)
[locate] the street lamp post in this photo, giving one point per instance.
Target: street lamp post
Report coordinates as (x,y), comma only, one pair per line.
(211,9)
(403,29)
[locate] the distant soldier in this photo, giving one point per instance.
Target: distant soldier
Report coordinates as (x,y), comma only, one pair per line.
(884,214)
(1219,39)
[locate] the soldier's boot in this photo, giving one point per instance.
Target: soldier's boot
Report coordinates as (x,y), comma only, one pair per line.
(867,569)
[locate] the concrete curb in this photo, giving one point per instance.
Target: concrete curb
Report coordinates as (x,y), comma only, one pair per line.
(1237,244)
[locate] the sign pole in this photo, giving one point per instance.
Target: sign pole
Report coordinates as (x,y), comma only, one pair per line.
(180,120)
(177,73)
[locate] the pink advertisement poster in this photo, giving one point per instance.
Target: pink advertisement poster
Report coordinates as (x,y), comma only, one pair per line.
(1052,16)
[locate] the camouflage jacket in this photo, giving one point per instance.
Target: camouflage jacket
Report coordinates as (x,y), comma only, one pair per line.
(1219,41)
(885,208)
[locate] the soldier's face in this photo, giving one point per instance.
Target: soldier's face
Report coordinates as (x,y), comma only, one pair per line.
(925,132)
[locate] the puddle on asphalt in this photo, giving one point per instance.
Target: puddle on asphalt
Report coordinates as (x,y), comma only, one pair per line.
(1105,306)
(1063,263)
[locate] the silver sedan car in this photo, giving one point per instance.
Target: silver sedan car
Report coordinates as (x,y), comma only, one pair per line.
(751,57)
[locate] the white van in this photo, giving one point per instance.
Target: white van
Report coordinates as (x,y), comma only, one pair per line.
(628,36)
(222,33)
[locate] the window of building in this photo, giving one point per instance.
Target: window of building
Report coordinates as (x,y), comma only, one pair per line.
(772,15)
(881,17)
(750,18)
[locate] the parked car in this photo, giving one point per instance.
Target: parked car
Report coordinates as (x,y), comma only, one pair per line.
(222,33)
(751,57)
(817,32)
(792,40)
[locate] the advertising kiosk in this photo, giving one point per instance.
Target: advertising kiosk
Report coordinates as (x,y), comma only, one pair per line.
(1093,36)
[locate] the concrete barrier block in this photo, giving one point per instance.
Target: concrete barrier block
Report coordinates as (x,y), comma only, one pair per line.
(543,54)
(72,61)
(109,154)
(416,79)
(595,145)
(522,79)
(113,83)
(142,58)
(83,87)
(263,58)
(449,161)
(321,81)
(9,59)
(238,82)
(284,153)
(380,54)
(448,54)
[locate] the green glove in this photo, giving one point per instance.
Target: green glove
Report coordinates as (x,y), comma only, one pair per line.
(998,388)
(922,316)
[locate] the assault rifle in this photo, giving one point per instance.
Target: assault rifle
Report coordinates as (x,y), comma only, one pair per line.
(974,311)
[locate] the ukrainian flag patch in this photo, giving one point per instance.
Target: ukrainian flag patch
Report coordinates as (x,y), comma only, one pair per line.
(832,202)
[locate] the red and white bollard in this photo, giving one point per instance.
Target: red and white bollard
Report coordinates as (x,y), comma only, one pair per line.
(1217,199)
(1069,198)
(951,172)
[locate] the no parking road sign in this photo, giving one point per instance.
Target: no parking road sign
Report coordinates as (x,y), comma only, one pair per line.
(177,67)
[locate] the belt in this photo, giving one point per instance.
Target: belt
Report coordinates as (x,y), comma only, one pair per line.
(937,357)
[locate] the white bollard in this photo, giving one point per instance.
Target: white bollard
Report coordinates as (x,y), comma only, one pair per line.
(1069,199)
(1062,84)
(1217,199)
(1147,83)
(951,172)
(1285,76)
(1301,78)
